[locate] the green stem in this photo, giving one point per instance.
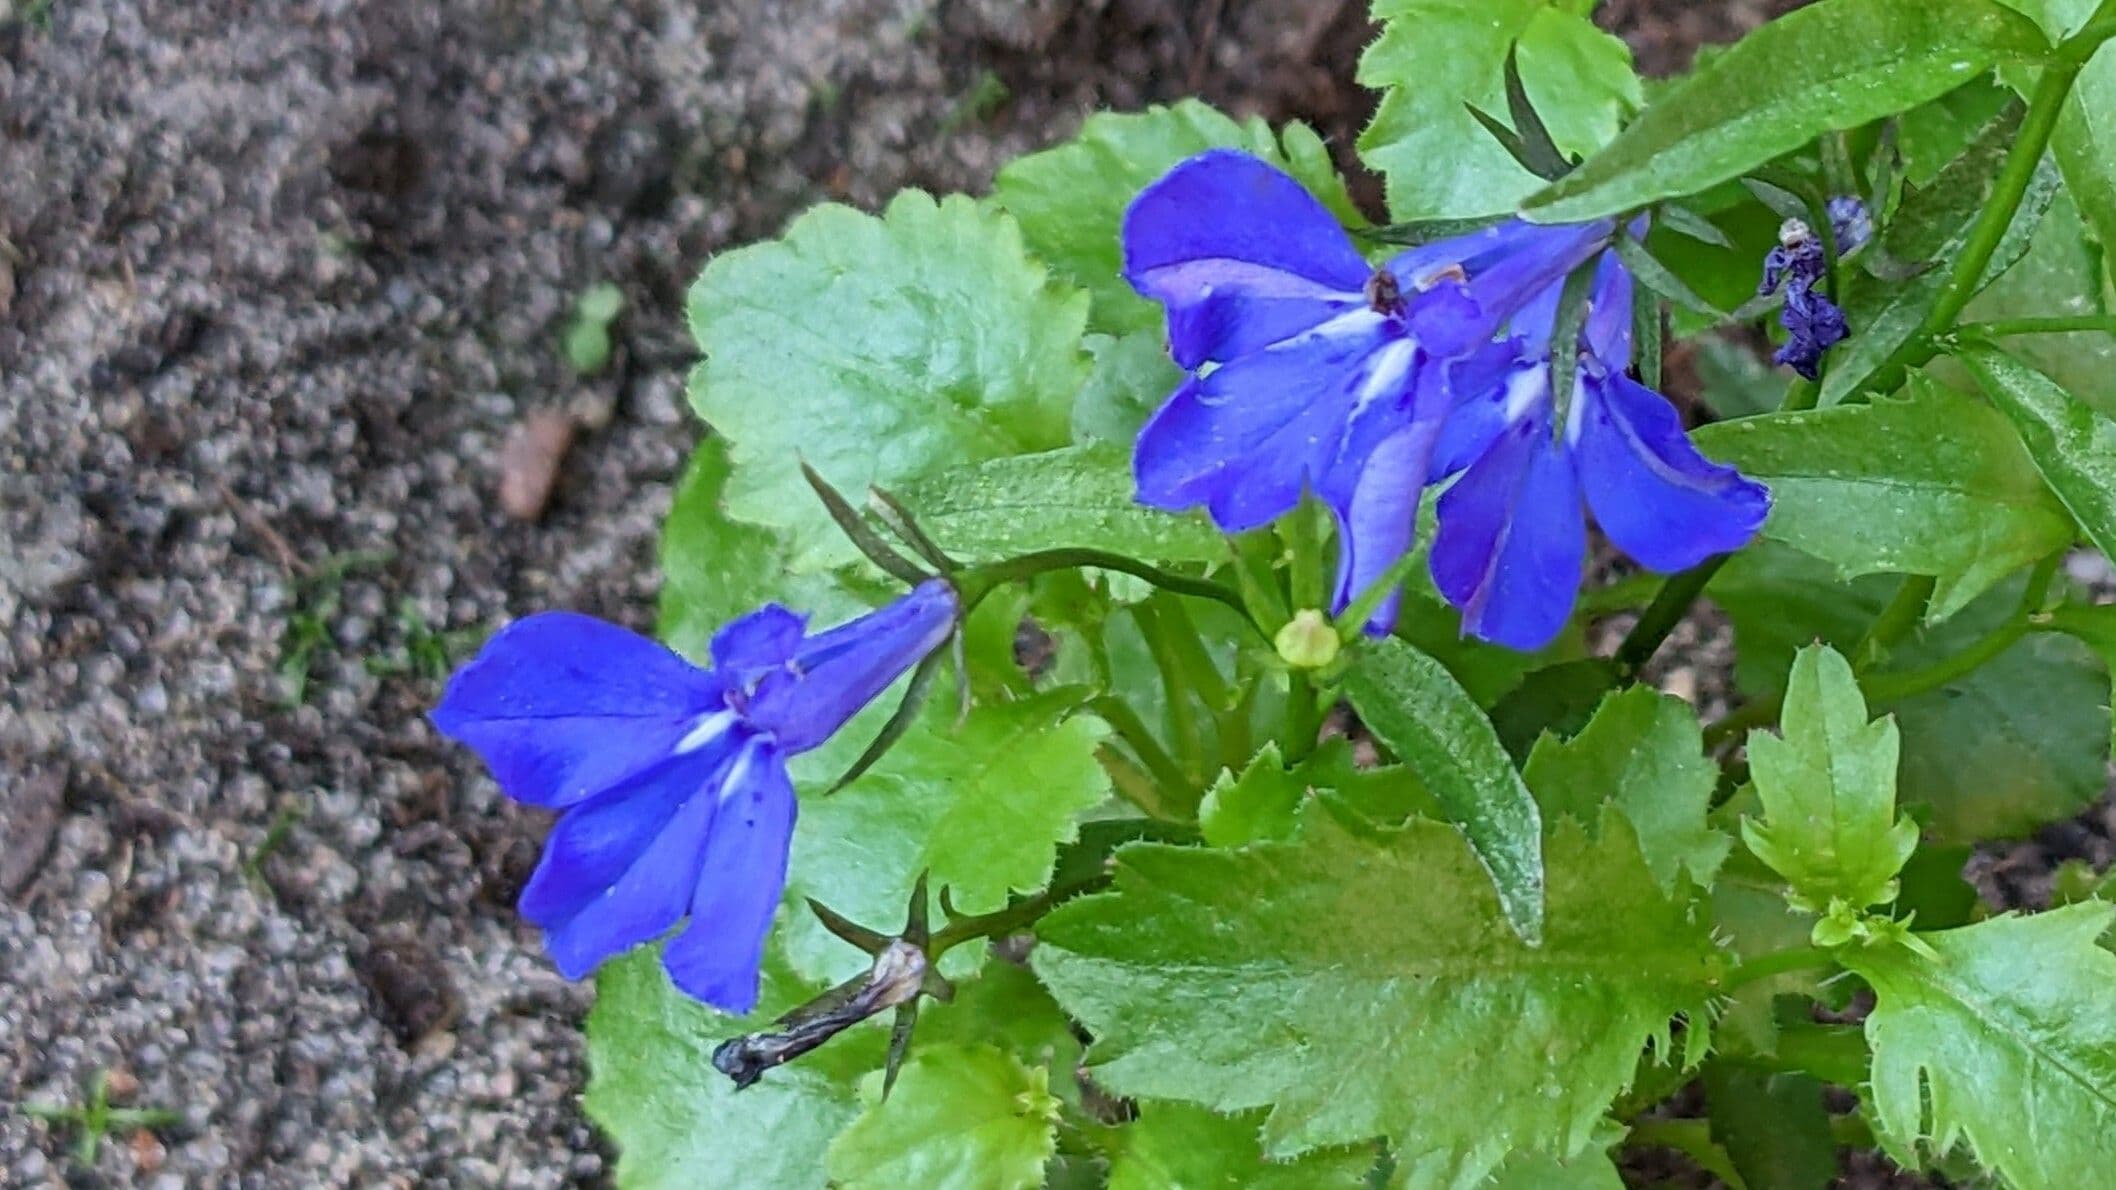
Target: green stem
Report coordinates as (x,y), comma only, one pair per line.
(1899,617)
(1798,958)
(2001,327)
(1183,722)
(1885,689)
(1303,717)
(979,582)
(1304,556)
(2045,105)
(1012,918)
(1661,616)
(1160,766)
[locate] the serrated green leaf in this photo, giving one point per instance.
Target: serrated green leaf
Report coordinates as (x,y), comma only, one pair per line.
(1437,58)
(1590,1170)
(981,809)
(1080,496)
(677,1121)
(2019,742)
(1175,1146)
(1266,800)
(1772,1126)
(1355,983)
(1131,377)
(960,1118)
(1819,69)
(1642,753)
(1070,200)
(1828,788)
(879,350)
(1933,482)
(1005,1006)
(1932,227)
(2004,1038)
(2073,446)
(1411,704)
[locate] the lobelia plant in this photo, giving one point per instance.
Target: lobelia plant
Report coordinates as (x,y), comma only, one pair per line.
(1304,813)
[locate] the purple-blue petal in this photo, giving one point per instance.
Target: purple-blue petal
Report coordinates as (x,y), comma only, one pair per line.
(1512,541)
(1240,254)
(618,872)
(563,706)
(1490,388)
(763,639)
(1607,334)
(840,671)
(1500,290)
(1657,498)
(1244,439)
(718,955)
(1377,524)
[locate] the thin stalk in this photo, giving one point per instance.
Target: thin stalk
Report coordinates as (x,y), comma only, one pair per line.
(1304,556)
(1012,918)
(979,582)
(1303,718)
(1182,711)
(1798,958)
(1900,616)
(1661,616)
(1999,328)
(1161,768)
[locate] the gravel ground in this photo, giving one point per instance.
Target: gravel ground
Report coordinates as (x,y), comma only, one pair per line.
(277,283)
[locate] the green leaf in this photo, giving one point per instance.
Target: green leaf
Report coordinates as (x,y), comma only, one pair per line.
(1589,1170)
(1933,482)
(1174,1146)
(1411,704)
(1642,752)
(1437,58)
(1829,790)
(1932,227)
(1070,200)
(1820,69)
(1266,800)
(1773,1127)
(2003,1037)
(2084,143)
(1132,376)
(2019,742)
(1356,983)
(1080,496)
(880,350)
(715,568)
(2073,446)
(960,1118)
(981,808)
(677,1121)
(2061,274)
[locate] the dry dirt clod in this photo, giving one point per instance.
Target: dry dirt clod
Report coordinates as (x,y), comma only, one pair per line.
(530,462)
(33,807)
(414,994)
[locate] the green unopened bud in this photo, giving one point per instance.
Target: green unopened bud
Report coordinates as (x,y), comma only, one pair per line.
(1308,641)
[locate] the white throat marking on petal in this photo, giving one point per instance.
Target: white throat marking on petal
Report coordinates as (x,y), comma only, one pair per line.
(705,730)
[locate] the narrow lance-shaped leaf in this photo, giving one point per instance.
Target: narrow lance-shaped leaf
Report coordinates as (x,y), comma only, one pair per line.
(1411,703)
(1353,982)
(2072,445)
(1829,790)
(1081,496)
(2001,1035)
(1933,482)
(1820,69)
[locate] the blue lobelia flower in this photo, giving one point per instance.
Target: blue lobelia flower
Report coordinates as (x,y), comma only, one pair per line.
(1512,539)
(670,779)
(1313,370)
(1813,323)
